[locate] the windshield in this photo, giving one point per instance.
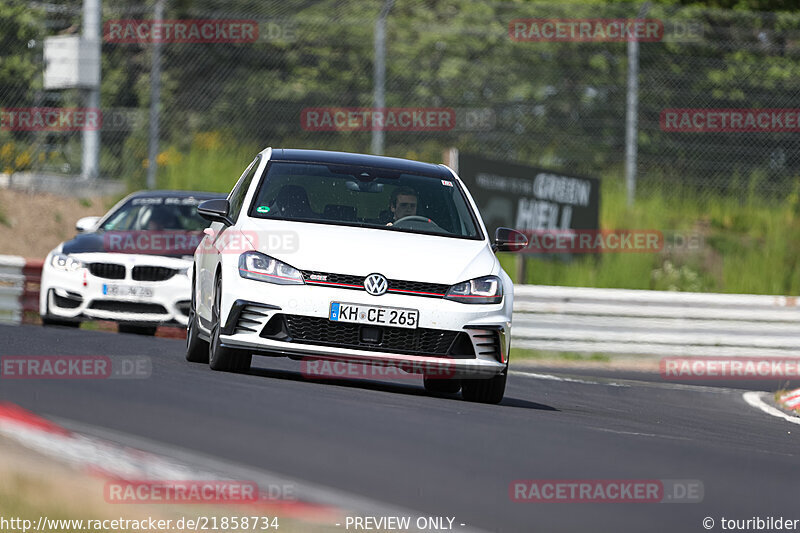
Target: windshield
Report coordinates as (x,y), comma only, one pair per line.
(364,196)
(156,214)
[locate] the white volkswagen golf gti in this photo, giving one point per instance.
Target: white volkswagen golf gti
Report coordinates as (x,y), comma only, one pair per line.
(328,256)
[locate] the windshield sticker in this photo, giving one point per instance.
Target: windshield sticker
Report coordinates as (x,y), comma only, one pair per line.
(147,201)
(447,183)
(189,200)
(262,209)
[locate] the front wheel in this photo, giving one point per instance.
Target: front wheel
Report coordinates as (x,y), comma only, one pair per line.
(220,357)
(441,385)
(489,390)
(196,348)
(137,330)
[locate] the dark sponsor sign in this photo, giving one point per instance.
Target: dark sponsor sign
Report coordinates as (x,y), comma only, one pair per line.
(530,199)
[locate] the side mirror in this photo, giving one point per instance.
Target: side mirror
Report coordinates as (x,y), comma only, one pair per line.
(215,210)
(86,224)
(509,240)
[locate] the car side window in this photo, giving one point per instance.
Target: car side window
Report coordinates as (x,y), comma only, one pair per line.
(236,199)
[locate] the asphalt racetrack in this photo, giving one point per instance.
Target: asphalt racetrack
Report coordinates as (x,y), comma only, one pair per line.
(440,456)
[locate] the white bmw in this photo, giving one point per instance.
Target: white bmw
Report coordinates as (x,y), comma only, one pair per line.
(354,258)
(130,266)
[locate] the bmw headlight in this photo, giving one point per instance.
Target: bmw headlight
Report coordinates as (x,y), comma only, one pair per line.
(65,262)
(255,265)
(485,290)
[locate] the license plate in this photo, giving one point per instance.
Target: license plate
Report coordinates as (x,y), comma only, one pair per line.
(370,314)
(127,290)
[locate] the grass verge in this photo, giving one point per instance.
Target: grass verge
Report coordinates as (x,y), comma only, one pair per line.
(523,354)
(33,486)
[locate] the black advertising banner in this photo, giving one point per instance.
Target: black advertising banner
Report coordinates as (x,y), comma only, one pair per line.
(530,199)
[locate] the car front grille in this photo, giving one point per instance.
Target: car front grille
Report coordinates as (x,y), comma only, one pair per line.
(128,307)
(417,287)
(152,273)
(357,282)
(346,281)
(321,331)
(107,270)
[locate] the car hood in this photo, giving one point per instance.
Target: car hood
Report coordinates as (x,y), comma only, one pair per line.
(362,251)
(94,242)
(133,260)
(84,243)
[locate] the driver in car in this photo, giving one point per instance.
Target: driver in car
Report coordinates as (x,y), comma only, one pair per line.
(161,219)
(403,203)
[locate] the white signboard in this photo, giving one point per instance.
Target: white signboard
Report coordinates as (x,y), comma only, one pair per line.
(71,62)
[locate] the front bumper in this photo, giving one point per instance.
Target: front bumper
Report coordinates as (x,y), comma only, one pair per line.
(454,368)
(460,340)
(80,295)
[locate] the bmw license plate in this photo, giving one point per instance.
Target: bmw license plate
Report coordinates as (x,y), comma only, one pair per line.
(127,290)
(370,314)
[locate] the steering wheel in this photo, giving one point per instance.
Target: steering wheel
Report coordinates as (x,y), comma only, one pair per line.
(421,223)
(414,218)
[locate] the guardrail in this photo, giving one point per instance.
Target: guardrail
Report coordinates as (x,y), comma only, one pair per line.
(33,278)
(654,322)
(12,288)
(580,319)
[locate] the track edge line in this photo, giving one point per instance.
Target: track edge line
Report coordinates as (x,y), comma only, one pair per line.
(754,399)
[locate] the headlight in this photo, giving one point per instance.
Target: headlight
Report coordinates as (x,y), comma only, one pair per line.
(254,265)
(485,290)
(65,263)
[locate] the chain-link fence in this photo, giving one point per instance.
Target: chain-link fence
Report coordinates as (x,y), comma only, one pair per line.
(526,82)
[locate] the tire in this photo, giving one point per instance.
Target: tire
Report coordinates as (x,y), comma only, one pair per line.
(490,390)
(219,357)
(47,321)
(197,350)
(137,330)
(441,386)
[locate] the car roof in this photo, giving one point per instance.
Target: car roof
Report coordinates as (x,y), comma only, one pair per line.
(346,158)
(176,194)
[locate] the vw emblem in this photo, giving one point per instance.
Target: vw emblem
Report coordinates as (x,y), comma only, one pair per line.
(376,284)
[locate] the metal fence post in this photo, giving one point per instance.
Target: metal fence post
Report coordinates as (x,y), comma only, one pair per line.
(631,110)
(90,157)
(379,97)
(155,98)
